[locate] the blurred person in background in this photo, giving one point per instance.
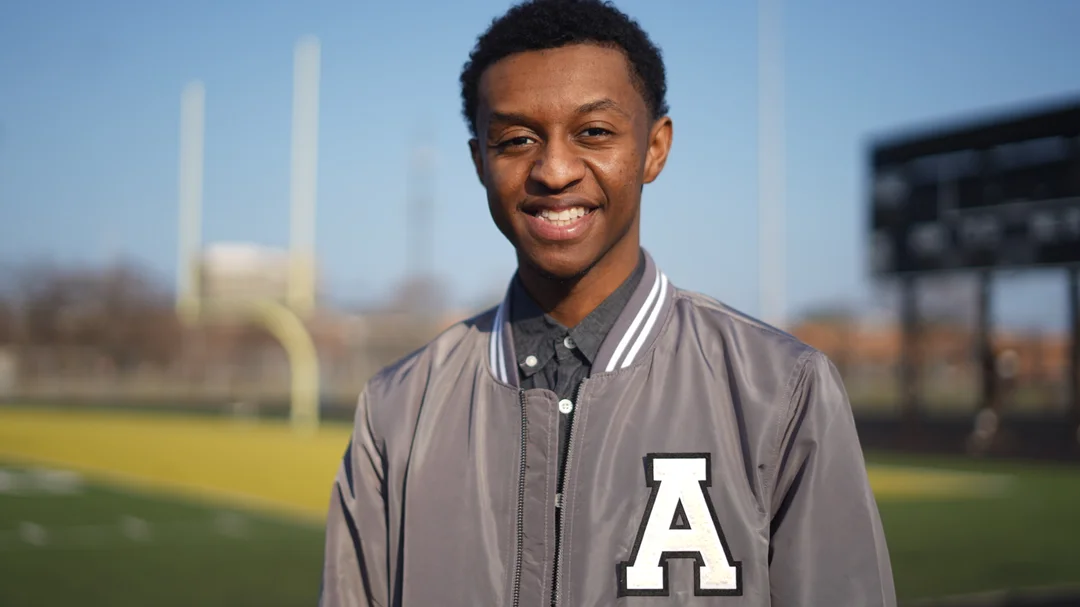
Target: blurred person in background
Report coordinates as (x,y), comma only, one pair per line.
(600,435)
(1000,370)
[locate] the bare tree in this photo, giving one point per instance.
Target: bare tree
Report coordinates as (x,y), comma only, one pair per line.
(119,311)
(7,321)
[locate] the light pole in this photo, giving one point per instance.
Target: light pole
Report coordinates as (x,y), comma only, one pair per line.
(771,153)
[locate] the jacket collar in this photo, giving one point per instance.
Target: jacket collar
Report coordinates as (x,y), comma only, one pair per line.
(636,328)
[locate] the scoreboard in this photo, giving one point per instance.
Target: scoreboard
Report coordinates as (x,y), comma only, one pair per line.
(1001,193)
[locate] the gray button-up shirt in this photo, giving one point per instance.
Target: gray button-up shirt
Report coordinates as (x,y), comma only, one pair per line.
(557,358)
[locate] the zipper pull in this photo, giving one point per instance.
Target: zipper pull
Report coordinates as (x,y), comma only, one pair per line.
(558,500)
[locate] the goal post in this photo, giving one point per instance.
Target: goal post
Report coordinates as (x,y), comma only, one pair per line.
(280,306)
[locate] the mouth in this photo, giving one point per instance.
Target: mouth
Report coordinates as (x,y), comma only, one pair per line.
(564,217)
(559,223)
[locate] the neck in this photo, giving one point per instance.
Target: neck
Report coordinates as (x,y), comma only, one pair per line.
(570,301)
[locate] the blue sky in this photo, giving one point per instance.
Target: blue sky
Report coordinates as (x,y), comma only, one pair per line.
(89,111)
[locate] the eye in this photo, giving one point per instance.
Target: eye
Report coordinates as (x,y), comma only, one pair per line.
(513,142)
(595,131)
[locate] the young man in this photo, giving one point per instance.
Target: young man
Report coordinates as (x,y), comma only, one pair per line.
(600,437)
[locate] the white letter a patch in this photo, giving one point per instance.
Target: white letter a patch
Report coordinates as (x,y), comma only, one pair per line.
(679,522)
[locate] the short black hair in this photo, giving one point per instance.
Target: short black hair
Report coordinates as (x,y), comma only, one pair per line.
(545,24)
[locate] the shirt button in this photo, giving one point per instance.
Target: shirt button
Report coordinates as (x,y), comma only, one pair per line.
(569,343)
(531,361)
(566,406)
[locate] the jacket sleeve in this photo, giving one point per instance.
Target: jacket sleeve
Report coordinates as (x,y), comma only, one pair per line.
(827,544)
(354,567)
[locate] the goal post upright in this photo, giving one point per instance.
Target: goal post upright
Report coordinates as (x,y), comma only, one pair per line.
(283,319)
(304,174)
(190,195)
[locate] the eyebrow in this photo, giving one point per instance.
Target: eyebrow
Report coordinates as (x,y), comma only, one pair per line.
(602,104)
(509,117)
(585,108)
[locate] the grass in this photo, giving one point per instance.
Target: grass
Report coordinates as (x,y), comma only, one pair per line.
(1024,537)
(189,510)
(101,546)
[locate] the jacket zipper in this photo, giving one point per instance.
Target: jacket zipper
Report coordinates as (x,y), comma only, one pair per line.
(521,501)
(560,541)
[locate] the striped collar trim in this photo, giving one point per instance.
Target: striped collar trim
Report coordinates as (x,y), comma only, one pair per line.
(501,345)
(636,328)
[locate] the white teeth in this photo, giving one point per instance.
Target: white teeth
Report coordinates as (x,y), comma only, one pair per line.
(563,217)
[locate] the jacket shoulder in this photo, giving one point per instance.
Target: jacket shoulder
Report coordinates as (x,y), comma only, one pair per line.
(757,356)
(396,389)
(731,326)
(773,372)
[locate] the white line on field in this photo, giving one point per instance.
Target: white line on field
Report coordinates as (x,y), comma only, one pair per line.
(128,530)
(138,484)
(33,534)
(135,528)
(40,481)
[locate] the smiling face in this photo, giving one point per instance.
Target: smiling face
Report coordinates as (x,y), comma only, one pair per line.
(565,143)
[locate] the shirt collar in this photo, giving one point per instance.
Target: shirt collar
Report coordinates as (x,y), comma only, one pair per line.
(643,319)
(535,331)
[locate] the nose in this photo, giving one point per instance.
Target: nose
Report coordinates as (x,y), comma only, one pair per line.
(557,167)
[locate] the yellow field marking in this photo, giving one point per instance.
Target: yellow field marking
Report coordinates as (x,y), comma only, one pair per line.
(896,483)
(266,466)
(262,466)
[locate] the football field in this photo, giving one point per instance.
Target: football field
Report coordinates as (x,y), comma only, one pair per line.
(118,509)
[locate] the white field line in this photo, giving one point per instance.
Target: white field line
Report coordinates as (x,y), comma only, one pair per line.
(126,530)
(135,484)
(40,481)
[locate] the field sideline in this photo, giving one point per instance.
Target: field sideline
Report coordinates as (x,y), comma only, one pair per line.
(264,465)
(254,464)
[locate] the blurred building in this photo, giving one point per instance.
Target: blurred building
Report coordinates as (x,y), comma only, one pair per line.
(858,344)
(866,354)
(237,270)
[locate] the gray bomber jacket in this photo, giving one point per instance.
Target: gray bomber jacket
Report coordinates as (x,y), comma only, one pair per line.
(713,461)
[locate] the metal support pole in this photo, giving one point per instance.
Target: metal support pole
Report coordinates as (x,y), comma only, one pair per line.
(771,179)
(988,395)
(421,236)
(285,324)
(909,375)
(287,327)
(1073,375)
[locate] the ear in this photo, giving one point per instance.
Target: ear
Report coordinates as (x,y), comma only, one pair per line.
(659,146)
(477,158)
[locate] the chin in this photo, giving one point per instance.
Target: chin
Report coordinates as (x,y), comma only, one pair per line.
(559,265)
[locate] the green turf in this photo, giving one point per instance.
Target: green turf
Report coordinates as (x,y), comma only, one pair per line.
(186,554)
(1026,537)
(196,554)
